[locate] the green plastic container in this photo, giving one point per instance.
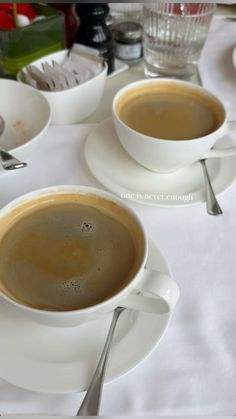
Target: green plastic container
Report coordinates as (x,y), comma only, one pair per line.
(18,47)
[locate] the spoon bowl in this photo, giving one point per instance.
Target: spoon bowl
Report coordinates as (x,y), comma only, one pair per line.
(2,125)
(8,161)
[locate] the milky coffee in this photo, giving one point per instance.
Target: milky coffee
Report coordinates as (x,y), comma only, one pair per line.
(169,112)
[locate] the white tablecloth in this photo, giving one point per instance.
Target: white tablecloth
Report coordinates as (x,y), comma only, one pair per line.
(193,370)
(216,68)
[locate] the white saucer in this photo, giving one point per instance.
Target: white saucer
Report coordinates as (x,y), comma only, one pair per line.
(118,172)
(62,360)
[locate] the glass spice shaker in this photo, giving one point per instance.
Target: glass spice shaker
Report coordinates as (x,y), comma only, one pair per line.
(128,41)
(93,30)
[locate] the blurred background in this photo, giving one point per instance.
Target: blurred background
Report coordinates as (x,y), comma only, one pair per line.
(31,30)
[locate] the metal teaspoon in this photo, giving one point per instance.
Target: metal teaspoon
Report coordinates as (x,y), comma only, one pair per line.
(213,207)
(91,403)
(8,161)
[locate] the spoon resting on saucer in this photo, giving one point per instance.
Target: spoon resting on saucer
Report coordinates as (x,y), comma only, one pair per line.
(8,161)
(213,207)
(91,403)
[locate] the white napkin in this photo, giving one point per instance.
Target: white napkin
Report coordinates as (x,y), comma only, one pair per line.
(216,68)
(193,370)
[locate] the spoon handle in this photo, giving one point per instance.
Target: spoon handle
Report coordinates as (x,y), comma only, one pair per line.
(91,403)
(213,208)
(9,162)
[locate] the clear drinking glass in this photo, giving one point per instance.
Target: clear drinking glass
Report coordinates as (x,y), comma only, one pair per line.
(173,37)
(126,12)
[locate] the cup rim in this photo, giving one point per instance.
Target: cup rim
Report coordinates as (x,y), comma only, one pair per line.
(169,81)
(77,189)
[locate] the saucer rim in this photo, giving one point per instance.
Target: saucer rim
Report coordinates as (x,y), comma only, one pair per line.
(114,376)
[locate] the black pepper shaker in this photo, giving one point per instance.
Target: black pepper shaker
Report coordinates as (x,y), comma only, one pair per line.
(93,30)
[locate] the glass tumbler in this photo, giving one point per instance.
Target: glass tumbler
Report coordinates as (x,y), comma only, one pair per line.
(173,37)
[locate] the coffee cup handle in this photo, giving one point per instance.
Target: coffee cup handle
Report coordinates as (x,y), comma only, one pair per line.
(224,152)
(158,294)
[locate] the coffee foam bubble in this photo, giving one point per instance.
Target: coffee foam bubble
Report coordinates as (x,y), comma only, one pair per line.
(74,284)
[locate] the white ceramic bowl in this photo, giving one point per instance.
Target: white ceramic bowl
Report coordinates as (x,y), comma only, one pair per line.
(27,115)
(72,105)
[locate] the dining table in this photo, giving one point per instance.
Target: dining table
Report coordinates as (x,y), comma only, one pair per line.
(188,367)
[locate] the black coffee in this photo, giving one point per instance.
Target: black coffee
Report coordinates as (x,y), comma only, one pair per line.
(69,255)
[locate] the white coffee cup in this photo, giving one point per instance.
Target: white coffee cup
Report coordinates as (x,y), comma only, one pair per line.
(161,155)
(148,290)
